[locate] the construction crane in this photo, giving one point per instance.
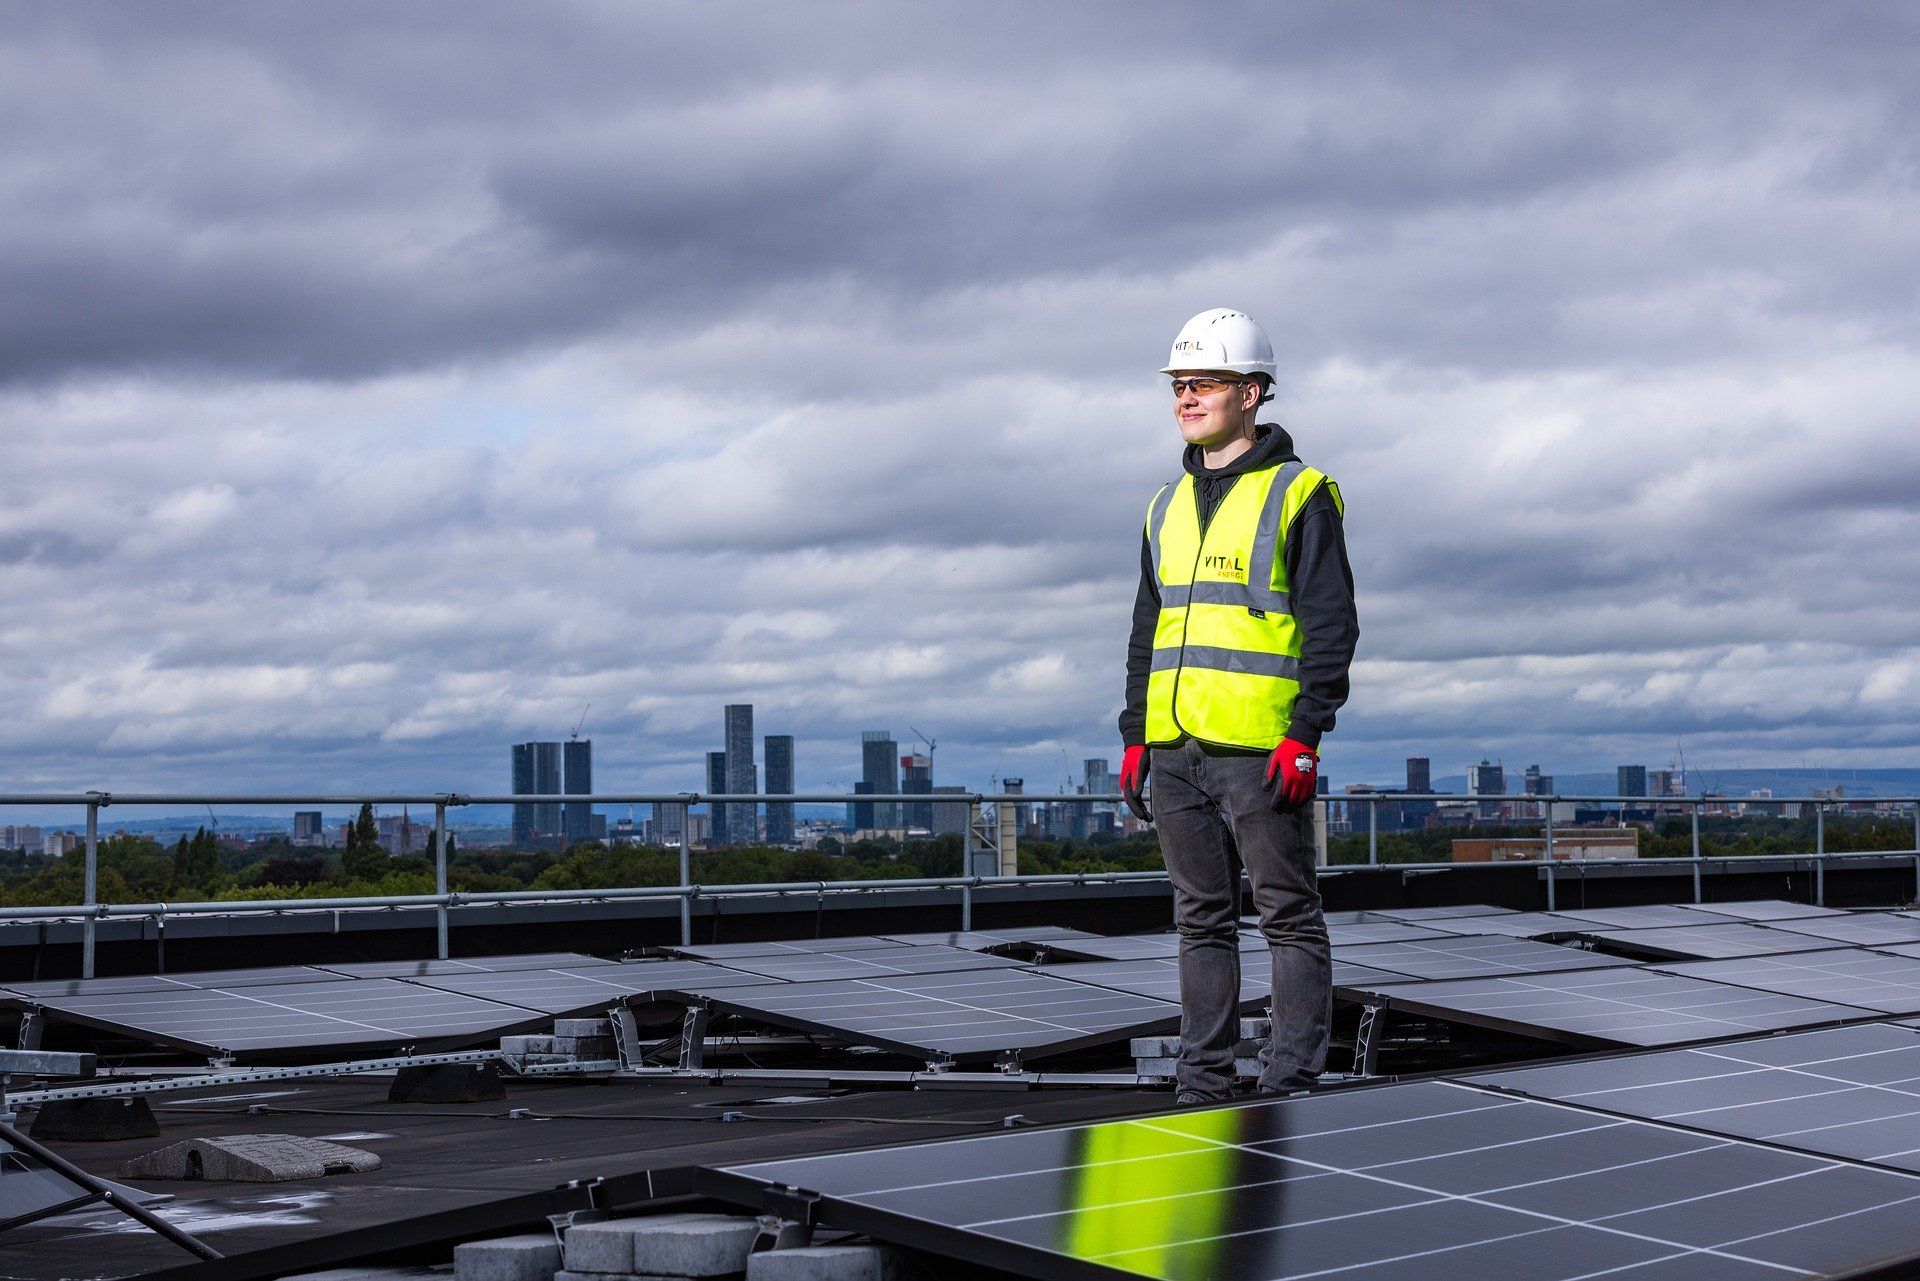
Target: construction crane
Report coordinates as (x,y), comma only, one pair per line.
(930,746)
(579,723)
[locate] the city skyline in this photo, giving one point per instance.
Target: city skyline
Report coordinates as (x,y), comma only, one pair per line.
(447,445)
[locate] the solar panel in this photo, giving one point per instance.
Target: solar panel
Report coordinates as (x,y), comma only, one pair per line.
(968,1014)
(1647,916)
(987,940)
(780,947)
(1865,929)
(1344,936)
(186,981)
(1159,977)
(1767,909)
(1454,958)
(1445,913)
(568,991)
(1418,1180)
(357,1012)
(872,963)
(1848,976)
(1627,1005)
(465,965)
(1702,942)
(1849,1092)
(1525,925)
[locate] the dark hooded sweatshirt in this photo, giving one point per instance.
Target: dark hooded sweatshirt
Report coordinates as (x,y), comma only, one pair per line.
(1319,583)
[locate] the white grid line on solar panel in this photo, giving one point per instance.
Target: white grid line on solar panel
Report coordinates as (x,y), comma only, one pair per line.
(464,965)
(1020,1178)
(1448,958)
(1767,909)
(294,1016)
(1628,1005)
(817,966)
(186,981)
(1872,980)
(1723,940)
(778,947)
(1680,1248)
(557,991)
(1864,928)
(933,1011)
(1762,1097)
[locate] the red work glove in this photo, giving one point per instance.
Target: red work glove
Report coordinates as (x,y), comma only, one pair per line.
(1133,776)
(1297,769)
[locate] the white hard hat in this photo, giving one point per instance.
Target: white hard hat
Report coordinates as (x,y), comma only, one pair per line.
(1222,339)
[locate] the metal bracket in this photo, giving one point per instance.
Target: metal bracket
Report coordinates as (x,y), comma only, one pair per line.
(693,1037)
(787,1219)
(626,1037)
(1366,1042)
(1009,1062)
(31,1025)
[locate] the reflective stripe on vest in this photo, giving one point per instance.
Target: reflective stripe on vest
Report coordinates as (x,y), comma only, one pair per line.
(1226,650)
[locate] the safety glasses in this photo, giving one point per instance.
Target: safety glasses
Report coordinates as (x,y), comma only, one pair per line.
(1203,386)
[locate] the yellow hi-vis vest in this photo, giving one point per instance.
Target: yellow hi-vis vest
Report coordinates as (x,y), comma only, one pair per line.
(1226,651)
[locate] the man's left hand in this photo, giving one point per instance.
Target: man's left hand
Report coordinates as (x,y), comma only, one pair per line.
(1293,772)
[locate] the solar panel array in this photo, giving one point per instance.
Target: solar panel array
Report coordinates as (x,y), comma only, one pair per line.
(1627,1005)
(1848,976)
(988,940)
(1849,1092)
(593,988)
(1421,1179)
(249,1019)
(961,1015)
(1706,942)
(1474,956)
(872,962)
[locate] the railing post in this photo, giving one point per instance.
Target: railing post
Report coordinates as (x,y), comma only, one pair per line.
(686,873)
(91,893)
(1696,853)
(440,871)
(1549,831)
(1373,833)
(1820,853)
(1549,885)
(966,904)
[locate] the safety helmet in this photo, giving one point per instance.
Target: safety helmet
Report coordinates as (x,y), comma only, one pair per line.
(1222,339)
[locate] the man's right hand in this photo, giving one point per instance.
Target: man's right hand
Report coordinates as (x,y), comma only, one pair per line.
(1133,777)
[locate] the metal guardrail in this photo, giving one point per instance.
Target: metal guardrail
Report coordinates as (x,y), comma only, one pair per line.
(90,911)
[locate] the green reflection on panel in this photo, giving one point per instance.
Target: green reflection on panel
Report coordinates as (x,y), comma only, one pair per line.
(1155,1193)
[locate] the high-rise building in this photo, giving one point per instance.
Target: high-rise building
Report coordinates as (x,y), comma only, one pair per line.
(916,779)
(21,836)
(716,785)
(669,821)
(952,818)
(1487,779)
(880,771)
(1660,782)
(743,820)
(860,813)
(779,752)
(1631,780)
(536,772)
(307,826)
(1419,774)
(1100,781)
(577,817)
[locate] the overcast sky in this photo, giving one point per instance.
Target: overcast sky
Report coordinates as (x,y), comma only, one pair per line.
(381,384)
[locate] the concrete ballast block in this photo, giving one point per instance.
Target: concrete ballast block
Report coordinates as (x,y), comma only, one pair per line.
(250,1158)
(607,1246)
(695,1245)
(828,1263)
(526,1045)
(582,1027)
(534,1256)
(584,1047)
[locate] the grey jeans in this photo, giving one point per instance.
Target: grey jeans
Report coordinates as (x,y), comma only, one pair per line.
(1215,817)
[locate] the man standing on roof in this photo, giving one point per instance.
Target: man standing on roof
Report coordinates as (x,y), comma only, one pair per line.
(1243,630)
